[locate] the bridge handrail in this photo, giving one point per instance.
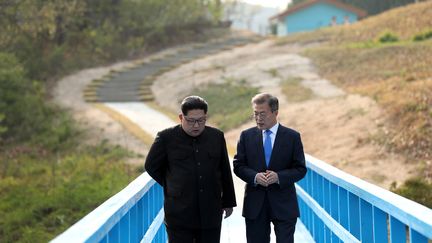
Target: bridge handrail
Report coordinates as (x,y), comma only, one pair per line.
(98,223)
(412,214)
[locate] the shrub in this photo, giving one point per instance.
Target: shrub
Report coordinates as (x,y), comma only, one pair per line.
(388,37)
(13,88)
(423,36)
(25,116)
(416,189)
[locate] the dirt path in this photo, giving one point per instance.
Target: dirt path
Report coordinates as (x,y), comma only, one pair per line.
(99,126)
(335,127)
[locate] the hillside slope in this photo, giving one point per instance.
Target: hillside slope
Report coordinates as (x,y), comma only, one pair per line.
(394,71)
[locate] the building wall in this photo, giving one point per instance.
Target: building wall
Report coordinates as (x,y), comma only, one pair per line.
(250,17)
(281,29)
(316,16)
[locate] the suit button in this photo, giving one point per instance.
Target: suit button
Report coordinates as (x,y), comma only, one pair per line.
(201,190)
(200,177)
(196,151)
(198,163)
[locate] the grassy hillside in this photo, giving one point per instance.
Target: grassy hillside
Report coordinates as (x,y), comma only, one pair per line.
(387,57)
(43,193)
(405,22)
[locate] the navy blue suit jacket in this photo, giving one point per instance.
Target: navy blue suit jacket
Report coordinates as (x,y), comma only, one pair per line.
(287,160)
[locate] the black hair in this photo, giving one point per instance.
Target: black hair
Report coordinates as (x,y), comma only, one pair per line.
(192,103)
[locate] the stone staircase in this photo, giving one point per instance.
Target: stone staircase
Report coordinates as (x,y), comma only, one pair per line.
(134,83)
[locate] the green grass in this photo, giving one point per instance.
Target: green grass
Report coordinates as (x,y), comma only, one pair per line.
(294,91)
(229,103)
(41,196)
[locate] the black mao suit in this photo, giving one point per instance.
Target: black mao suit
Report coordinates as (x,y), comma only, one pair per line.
(287,160)
(195,175)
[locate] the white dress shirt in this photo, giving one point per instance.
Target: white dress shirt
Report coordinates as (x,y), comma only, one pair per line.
(273,129)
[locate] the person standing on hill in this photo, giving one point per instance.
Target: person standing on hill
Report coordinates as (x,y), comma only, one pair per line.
(190,161)
(270,159)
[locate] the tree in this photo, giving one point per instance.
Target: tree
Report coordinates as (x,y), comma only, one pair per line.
(13,88)
(294,2)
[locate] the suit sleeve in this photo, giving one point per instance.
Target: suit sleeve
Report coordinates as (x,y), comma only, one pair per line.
(241,168)
(228,192)
(156,161)
(297,169)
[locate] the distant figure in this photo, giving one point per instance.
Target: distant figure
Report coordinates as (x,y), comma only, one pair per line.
(190,161)
(270,159)
(346,20)
(333,21)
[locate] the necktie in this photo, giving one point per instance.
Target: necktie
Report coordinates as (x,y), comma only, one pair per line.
(267,147)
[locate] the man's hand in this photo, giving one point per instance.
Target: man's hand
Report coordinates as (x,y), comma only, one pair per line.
(261,179)
(271,177)
(228,212)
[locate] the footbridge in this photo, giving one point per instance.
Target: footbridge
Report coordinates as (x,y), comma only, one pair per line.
(335,206)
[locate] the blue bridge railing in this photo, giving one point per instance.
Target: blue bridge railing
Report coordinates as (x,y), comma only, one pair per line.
(135,214)
(338,207)
(335,207)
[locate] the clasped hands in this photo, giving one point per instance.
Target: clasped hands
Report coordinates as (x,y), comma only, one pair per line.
(267,178)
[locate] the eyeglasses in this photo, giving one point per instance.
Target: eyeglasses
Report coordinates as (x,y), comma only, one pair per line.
(260,115)
(191,122)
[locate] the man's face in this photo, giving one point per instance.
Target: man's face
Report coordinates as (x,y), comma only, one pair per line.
(193,123)
(264,117)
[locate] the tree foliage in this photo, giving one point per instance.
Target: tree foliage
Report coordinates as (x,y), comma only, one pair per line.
(25,116)
(46,35)
(46,181)
(41,40)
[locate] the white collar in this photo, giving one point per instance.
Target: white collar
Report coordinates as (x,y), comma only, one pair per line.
(273,129)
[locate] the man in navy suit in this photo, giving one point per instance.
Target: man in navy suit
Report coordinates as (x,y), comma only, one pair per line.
(270,159)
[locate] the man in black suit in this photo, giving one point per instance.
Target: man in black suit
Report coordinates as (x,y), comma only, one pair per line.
(269,159)
(190,161)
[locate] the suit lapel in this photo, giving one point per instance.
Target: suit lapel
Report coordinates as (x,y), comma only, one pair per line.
(260,146)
